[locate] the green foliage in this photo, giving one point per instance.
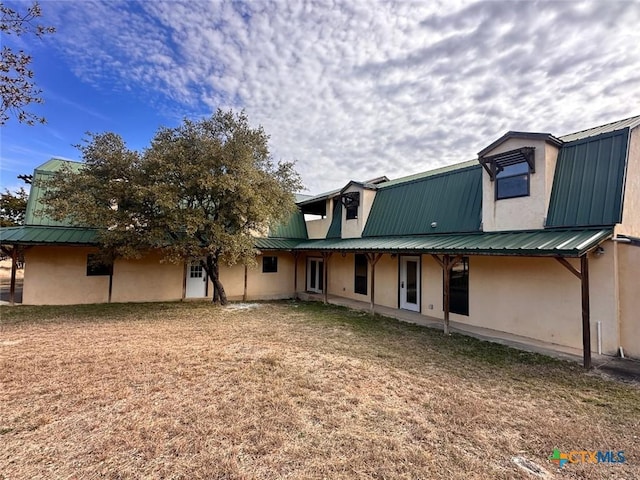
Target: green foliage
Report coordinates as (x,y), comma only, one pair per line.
(13,206)
(204,190)
(16,85)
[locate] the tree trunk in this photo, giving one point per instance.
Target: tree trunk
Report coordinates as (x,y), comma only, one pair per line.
(213,270)
(216,294)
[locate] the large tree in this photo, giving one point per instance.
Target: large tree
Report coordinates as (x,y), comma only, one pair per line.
(13,206)
(203,191)
(16,76)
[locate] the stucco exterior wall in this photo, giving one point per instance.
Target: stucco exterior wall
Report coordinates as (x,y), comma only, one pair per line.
(629,266)
(260,286)
(520,213)
(58,276)
(342,279)
(146,280)
(532,297)
(631,203)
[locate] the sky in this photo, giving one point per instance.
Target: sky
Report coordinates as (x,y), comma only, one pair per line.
(350,90)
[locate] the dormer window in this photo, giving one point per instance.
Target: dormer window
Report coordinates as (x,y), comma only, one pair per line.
(512,181)
(510,171)
(351,202)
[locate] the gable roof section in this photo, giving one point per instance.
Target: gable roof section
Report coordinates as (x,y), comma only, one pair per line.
(588,184)
(452,199)
(35,214)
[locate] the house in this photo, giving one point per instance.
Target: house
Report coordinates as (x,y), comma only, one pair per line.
(538,237)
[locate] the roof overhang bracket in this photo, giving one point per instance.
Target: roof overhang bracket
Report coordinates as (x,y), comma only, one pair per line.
(491,163)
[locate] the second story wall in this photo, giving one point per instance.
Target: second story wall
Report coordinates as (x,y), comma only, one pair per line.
(525,212)
(352,228)
(318,228)
(631,202)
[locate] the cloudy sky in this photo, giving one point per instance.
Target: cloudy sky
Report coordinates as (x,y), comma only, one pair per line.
(350,90)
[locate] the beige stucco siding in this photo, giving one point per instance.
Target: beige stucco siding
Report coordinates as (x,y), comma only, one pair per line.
(58,276)
(342,279)
(259,285)
(631,203)
(146,280)
(629,265)
(533,297)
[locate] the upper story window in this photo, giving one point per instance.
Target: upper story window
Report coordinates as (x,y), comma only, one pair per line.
(351,202)
(510,171)
(512,180)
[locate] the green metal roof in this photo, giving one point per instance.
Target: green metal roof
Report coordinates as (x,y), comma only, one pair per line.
(44,235)
(565,243)
(631,122)
(35,214)
(295,227)
(453,200)
(335,229)
(267,243)
(430,173)
(588,185)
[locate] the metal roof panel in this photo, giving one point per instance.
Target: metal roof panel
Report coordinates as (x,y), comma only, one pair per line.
(588,182)
(453,200)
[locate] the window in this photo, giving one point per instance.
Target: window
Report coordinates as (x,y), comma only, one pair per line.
(195,271)
(96,266)
(512,180)
(351,202)
(361,267)
(269,264)
(459,301)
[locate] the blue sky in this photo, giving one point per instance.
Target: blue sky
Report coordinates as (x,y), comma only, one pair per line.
(348,89)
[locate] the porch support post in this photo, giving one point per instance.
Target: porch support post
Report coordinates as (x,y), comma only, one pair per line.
(14,267)
(446,260)
(373,259)
(586,314)
(244,292)
(325,275)
(583,275)
(447,263)
(295,274)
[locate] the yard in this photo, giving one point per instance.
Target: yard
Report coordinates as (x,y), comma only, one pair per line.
(289,390)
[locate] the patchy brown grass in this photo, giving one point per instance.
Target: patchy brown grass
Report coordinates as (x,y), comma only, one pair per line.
(288,391)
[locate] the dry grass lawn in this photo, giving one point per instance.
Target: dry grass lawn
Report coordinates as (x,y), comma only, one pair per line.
(289,390)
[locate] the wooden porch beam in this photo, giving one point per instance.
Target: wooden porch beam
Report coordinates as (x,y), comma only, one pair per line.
(373,258)
(583,275)
(14,267)
(586,314)
(295,274)
(446,260)
(563,261)
(325,275)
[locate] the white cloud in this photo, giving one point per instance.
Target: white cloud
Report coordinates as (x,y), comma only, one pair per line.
(356,89)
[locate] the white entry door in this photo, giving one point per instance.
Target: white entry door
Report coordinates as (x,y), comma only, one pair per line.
(196,281)
(315,275)
(410,283)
